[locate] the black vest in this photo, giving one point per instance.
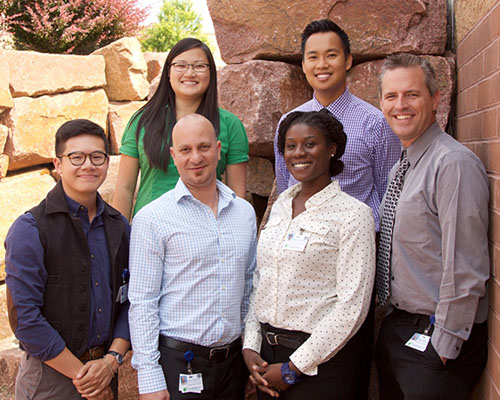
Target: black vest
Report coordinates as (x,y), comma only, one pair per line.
(67,261)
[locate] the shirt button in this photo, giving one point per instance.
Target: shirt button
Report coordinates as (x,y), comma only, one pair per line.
(466,329)
(92,256)
(84,268)
(392,277)
(83,288)
(97,283)
(82,308)
(99,309)
(397,304)
(80,328)
(98,336)
(457,348)
(74,215)
(223,287)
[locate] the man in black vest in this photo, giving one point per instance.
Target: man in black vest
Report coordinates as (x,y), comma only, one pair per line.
(66,263)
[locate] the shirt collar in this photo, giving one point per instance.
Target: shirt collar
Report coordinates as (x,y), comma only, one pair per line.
(76,208)
(226,195)
(329,192)
(417,149)
(336,107)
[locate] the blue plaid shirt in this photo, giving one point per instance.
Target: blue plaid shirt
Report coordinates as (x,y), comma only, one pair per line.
(190,275)
(371,151)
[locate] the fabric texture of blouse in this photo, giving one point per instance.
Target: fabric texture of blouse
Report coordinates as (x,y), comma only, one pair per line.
(155,182)
(324,290)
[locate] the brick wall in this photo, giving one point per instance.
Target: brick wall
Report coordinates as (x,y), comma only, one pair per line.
(478,127)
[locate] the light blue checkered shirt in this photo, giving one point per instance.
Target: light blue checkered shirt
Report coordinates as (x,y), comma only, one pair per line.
(371,151)
(190,275)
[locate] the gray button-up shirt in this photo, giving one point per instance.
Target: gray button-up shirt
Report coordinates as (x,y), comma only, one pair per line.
(440,261)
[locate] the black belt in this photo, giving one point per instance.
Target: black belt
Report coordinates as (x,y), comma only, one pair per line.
(402,314)
(282,337)
(217,353)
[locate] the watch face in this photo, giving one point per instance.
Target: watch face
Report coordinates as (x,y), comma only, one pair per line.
(289,379)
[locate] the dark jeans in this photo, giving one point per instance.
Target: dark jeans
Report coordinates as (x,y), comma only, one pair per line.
(338,379)
(222,380)
(406,373)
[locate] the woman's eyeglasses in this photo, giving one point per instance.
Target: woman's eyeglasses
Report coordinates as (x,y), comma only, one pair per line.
(198,68)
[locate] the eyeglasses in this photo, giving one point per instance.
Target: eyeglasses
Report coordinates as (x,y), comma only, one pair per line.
(198,68)
(78,158)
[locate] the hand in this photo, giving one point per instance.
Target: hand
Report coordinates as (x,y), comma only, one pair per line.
(92,378)
(257,367)
(105,394)
(274,378)
(161,395)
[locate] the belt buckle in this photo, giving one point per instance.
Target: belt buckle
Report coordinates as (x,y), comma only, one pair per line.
(93,351)
(272,338)
(215,350)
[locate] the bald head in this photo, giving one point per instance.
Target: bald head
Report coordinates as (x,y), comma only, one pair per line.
(189,123)
(196,151)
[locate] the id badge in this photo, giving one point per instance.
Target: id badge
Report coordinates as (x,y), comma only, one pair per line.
(122,296)
(190,383)
(296,241)
(418,341)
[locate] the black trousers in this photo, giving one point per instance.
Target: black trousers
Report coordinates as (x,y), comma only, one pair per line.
(406,373)
(222,380)
(338,379)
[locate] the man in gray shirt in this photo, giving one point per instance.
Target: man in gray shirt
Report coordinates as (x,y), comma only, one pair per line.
(433,272)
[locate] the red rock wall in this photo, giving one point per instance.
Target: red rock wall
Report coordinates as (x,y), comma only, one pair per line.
(478,127)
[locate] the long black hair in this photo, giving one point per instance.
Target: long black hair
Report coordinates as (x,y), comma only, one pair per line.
(157,116)
(327,124)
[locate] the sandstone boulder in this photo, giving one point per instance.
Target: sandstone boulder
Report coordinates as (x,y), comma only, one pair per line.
(5,96)
(155,61)
(33,123)
(260,176)
(126,70)
(9,365)
(107,189)
(259,29)
(259,93)
(35,74)
(20,193)
(4,165)
(4,132)
(5,331)
(362,81)
(154,85)
(118,117)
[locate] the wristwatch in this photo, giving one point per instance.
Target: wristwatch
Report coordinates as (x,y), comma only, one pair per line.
(289,376)
(118,357)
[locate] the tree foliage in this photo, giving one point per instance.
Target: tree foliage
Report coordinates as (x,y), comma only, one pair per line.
(70,26)
(177,20)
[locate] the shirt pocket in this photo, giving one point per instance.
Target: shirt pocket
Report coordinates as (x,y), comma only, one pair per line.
(323,235)
(411,221)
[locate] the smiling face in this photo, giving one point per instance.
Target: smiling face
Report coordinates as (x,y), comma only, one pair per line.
(307,155)
(195,151)
(325,65)
(83,181)
(407,103)
(188,85)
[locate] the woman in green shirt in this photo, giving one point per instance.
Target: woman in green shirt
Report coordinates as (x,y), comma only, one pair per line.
(188,85)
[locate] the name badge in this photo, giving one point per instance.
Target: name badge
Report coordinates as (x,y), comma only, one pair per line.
(122,296)
(296,241)
(418,341)
(190,383)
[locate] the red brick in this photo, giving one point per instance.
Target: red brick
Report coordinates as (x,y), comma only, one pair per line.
(496,261)
(495,392)
(494,236)
(461,110)
(489,126)
(494,183)
(491,57)
(493,366)
(465,51)
(483,33)
(494,21)
(477,68)
(463,129)
(483,94)
(471,99)
(481,150)
(494,330)
(476,126)
(485,385)
(495,85)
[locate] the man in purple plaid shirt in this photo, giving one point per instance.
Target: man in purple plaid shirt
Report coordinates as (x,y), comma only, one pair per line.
(372,148)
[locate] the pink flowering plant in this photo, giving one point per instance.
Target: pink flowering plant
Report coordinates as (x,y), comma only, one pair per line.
(70,26)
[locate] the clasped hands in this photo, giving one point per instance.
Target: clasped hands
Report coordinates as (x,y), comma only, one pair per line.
(94,377)
(267,377)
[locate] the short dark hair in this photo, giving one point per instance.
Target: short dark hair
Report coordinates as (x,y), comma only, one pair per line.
(326,123)
(77,127)
(321,26)
(407,60)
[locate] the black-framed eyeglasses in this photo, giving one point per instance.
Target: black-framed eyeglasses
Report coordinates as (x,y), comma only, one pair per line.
(78,158)
(198,68)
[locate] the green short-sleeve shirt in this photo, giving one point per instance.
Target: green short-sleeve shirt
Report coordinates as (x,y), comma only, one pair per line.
(155,182)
